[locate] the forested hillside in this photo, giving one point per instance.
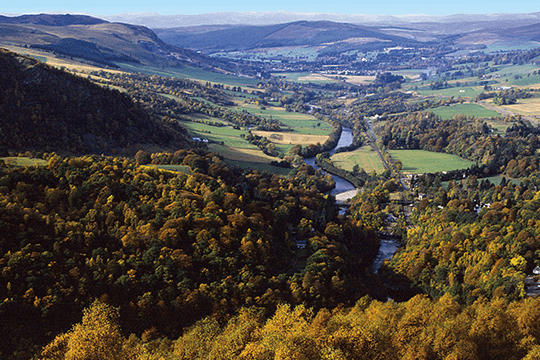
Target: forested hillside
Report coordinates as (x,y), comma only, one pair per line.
(46,109)
(127,240)
(165,247)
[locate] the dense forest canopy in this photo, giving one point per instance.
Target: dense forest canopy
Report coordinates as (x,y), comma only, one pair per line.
(130,241)
(46,109)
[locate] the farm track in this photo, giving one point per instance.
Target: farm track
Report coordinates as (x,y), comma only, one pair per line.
(506,112)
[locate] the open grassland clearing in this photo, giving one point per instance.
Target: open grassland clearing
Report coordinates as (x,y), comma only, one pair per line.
(258,166)
(462,91)
(527,107)
(188,72)
(317,79)
(508,73)
(496,180)
(365,157)
(410,75)
(504,46)
(58,62)
(359,80)
(421,161)
(307,77)
(291,138)
(468,109)
(23,161)
(245,155)
(227,134)
(297,122)
(171,168)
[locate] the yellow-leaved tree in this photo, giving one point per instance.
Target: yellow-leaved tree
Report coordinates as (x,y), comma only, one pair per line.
(97,337)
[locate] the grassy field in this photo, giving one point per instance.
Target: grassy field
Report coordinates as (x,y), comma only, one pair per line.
(300,123)
(359,80)
(365,157)
(421,161)
(173,168)
(462,91)
(291,138)
(230,136)
(448,112)
(188,72)
(23,161)
(253,155)
(507,72)
(511,45)
(307,77)
(527,107)
(496,180)
(258,166)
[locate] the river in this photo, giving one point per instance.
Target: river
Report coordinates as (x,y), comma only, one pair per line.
(342,185)
(387,249)
(389,245)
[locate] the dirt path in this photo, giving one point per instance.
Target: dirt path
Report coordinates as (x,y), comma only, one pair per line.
(506,112)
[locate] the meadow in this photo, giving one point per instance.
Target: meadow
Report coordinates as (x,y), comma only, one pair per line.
(258,166)
(421,161)
(306,77)
(188,72)
(297,122)
(229,136)
(527,107)
(23,161)
(462,91)
(365,157)
(171,168)
(467,109)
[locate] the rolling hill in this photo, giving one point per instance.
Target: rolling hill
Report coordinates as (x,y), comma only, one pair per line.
(97,41)
(301,33)
(47,109)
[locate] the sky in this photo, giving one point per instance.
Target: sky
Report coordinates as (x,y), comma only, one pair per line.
(192,7)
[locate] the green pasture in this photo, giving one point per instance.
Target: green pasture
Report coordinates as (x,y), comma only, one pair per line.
(188,72)
(421,161)
(227,134)
(300,123)
(292,76)
(511,45)
(305,77)
(203,100)
(23,161)
(462,91)
(174,168)
(507,73)
(496,180)
(448,112)
(365,157)
(498,124)
(258,166)
(525,80)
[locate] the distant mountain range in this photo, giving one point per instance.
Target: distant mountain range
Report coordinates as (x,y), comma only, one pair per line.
(156,40)
(155,21)
(300,33)
(250,30)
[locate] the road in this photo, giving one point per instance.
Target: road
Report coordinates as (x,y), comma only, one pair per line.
(506,112)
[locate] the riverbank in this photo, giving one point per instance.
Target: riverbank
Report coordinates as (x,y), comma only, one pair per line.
(345,197)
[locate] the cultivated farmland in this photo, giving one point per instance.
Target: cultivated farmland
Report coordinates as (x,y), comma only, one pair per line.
(365,157)
(421,161)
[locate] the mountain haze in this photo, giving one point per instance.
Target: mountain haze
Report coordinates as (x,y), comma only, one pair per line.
(154,20)
(318,33)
